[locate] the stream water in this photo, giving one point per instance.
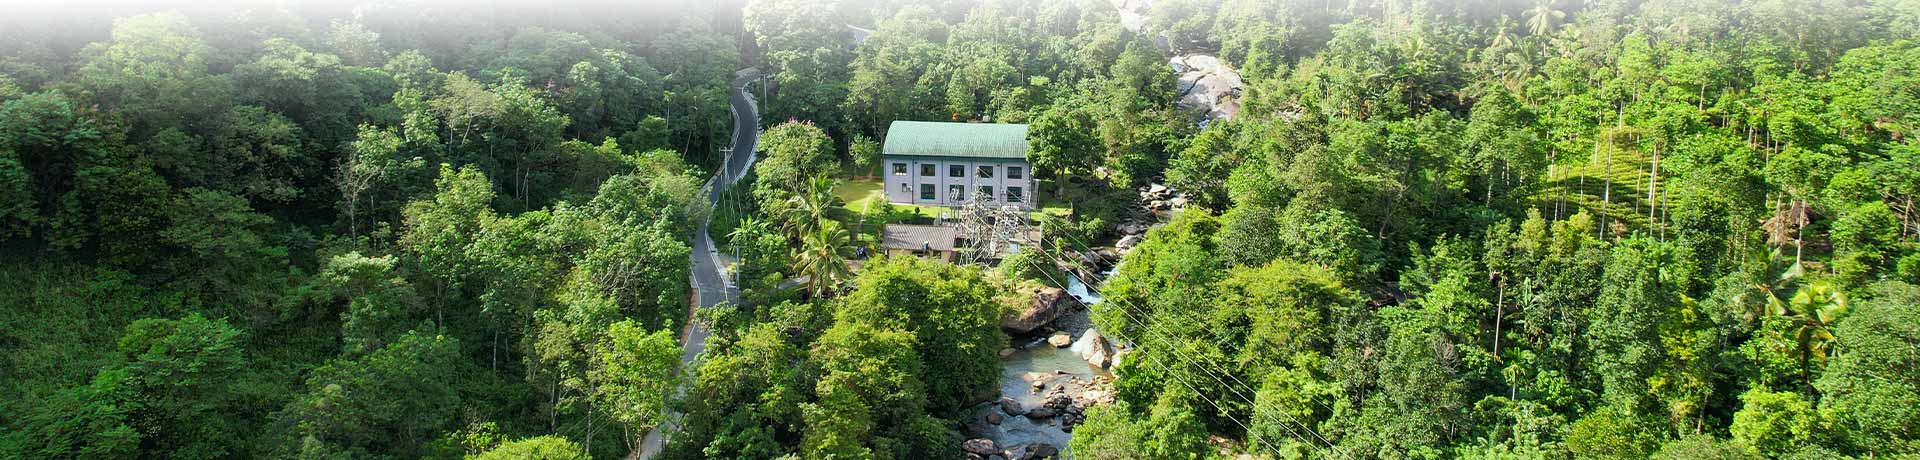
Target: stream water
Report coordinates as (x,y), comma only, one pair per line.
(1035,360)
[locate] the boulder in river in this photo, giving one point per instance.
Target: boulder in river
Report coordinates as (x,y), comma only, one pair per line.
(1011,407)
(1041,450)
(1060,340)
(981,447)
(1044,306)
(1094,348)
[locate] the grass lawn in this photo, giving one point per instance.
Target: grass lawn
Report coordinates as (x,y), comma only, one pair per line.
(865,195)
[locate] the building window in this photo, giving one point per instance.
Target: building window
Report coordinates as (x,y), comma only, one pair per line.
(985,172)
(986,193)
(926,192)
(906,187)
(926,169)
(957,193)
(956,170)
(1014,172)
(899,169)
(1014,195)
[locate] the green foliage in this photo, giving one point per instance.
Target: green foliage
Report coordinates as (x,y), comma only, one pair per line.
(791,154)
(391,400)
(163,398)
(1704,447)
(1606,434)
(634,374)
(1774,423)
(1868,390)
(951,312)
(536,448)
(1672,229)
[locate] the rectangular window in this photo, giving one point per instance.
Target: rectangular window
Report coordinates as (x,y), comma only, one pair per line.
(926,192)
(906,187)
(926,169)
(1014,172)
(986,193)
(985,172)
(899,169)
(957,193)
(1014,195)
(956,170)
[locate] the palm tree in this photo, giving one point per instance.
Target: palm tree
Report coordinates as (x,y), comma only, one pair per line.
(805,212)
(1541,18)
(1502,40)
(1769,285)
(1815,307)
(822,258)
(744,236)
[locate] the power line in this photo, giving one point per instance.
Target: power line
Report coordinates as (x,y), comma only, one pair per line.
(1210,370)
(1217,342)
(1168,372)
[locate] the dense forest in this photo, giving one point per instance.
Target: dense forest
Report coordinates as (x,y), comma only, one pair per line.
(434,229)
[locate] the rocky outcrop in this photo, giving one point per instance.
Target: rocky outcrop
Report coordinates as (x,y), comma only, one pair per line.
(1045,305)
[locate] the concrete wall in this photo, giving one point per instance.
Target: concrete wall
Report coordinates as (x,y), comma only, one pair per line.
(905,188)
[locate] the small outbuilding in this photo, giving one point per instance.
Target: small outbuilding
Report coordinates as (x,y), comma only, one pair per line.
(932,241)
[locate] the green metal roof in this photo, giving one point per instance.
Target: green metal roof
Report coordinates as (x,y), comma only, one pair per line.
(963,140)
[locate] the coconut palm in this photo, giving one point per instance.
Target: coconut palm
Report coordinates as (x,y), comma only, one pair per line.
(822,258)
(805,212)
(1541,18)
(1769,285)
(1815,307)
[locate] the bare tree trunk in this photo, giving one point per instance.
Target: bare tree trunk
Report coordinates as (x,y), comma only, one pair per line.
(1653,178)
(1799,231)
(1606,193)
(353,218)
(1499,316)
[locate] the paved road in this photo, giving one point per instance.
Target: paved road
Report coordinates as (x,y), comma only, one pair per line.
(710,284)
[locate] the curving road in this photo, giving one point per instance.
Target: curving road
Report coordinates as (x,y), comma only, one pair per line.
(710,286)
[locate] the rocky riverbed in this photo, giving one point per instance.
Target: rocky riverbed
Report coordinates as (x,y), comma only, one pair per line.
(1048,379)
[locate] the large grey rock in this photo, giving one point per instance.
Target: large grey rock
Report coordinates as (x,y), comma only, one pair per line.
(1041,450)
(1011,407)
(1044,306)
(1093,348)
(1128,242)
(979,446)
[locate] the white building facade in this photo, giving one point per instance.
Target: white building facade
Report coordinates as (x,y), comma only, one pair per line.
(947,164)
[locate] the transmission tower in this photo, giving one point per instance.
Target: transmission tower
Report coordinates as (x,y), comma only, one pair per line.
(989,231)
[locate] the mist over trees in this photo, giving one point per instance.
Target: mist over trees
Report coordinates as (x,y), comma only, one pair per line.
(401,229)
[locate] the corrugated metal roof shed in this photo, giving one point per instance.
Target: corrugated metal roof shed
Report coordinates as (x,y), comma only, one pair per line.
(914,237)
(962,140)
